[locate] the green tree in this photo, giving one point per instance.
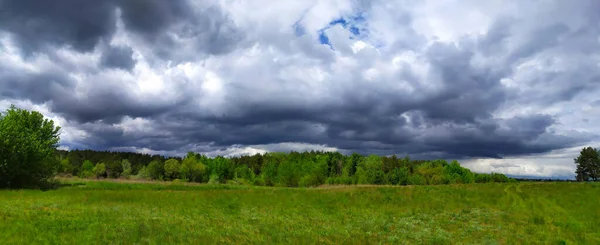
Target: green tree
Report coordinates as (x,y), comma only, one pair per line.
(588,165)
(99,170)
(27,146)
(398,176)
(87,169)
(65,166)
(126,165)
(156,170)
(172,167)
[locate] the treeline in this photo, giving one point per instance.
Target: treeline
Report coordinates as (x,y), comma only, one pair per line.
(294,169)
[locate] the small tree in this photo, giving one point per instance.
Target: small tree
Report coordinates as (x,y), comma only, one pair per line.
(99,170)
(588,165)
(172,168)
(65,166)
(27,146)
(87,169)
(155,170)
(126,165)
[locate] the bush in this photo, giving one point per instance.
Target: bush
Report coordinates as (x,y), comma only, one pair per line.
(143,173)
(501,178)
(482,178)
(308,180)
(27,146)
(214,179)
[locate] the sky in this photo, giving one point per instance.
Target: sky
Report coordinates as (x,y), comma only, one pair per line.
(504,86)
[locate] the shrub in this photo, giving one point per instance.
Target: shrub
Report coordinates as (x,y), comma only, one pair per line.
(308,180)
(497,177)
(214,179)
(143,173)
(482,178)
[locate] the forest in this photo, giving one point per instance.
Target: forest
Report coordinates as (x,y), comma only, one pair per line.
(293,169)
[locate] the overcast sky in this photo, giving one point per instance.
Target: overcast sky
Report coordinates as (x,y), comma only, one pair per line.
(504,86)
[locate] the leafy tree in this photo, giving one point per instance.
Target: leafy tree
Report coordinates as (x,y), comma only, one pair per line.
(269,173)
(87,169)
(361,176)
(126,165)
(416,179)
(99,170)
(172,168)
(483,178)
(156,170)
(288,174)
(65,166)
(498,177)
(588,165)
(27,147)
(457,174)
(143,173)
(398,176)
(114,168)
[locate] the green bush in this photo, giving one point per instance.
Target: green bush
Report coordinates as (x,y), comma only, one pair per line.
(214,179)
(497,177)
(308,181)
(143,174)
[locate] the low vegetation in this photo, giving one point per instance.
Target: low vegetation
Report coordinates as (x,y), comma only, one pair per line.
(124,212)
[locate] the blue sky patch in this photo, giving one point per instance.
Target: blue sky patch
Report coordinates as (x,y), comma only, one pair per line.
(355,24)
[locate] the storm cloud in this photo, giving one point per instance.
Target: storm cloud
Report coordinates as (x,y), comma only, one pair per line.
(494,79)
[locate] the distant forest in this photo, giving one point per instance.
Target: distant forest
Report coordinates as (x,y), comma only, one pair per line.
(294,169)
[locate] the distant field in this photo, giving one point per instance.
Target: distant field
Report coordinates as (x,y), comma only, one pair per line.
(109,212)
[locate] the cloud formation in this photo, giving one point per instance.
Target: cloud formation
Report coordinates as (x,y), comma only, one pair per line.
(494,79)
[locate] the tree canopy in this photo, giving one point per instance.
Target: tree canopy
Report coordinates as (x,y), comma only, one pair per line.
(588,165)
(27,146)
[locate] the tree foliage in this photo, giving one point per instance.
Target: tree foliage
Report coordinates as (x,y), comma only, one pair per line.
(303,169)
(588,165)
(27,146)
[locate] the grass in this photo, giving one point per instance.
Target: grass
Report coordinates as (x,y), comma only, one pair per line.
(110,212)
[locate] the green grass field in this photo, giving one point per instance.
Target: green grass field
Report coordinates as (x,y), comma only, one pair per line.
(104,212)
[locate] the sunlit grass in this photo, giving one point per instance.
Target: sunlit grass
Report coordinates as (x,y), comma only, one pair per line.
(99,212)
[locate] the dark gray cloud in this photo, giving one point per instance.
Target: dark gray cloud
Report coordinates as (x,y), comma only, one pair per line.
(209,77)
(118,57)
(39,25)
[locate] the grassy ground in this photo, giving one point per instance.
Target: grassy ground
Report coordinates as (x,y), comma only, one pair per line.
(97,212)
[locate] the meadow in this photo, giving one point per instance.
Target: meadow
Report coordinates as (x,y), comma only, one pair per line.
(128,212)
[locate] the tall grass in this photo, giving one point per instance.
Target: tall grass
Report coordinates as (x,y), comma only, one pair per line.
(101,212)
